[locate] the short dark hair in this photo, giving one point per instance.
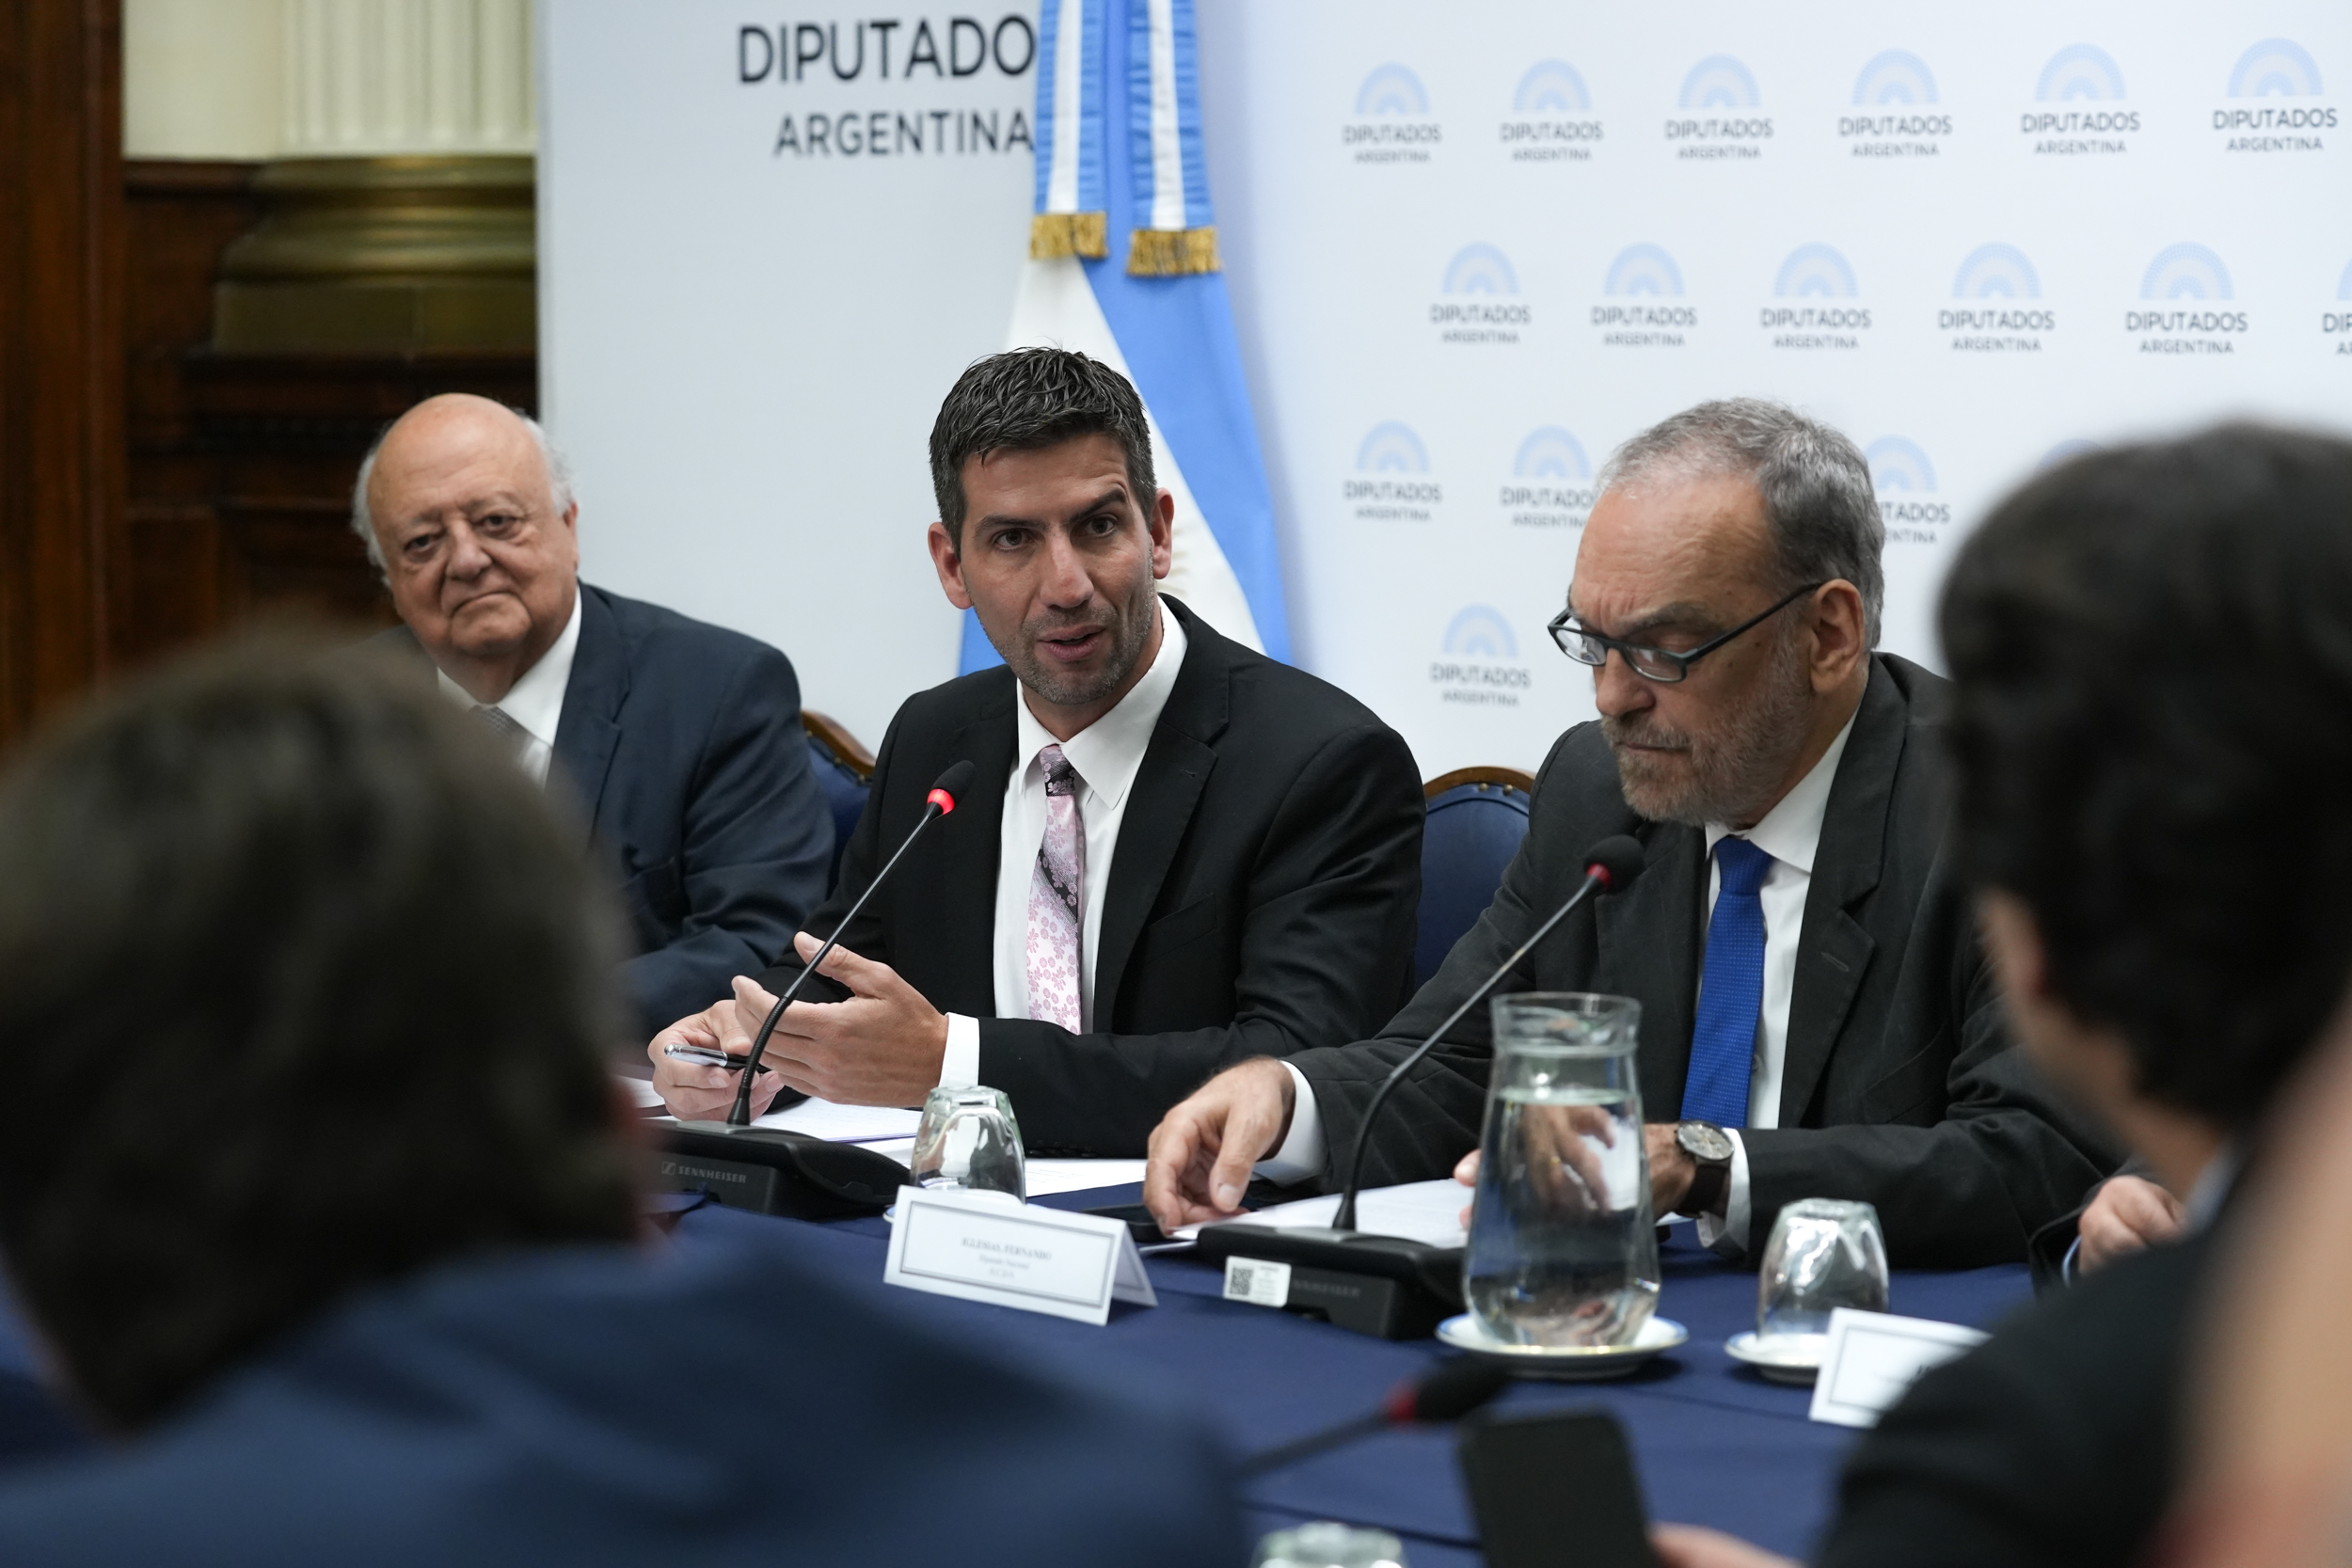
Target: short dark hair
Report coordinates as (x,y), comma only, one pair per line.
(303,987)
(1030,397)
(2153,647)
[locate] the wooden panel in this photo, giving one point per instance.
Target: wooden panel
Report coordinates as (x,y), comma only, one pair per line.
(61,381)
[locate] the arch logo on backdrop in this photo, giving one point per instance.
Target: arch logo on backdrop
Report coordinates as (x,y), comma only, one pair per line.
(2281,69)
(1641,301)
(1551,120)
(1998,309)
(1480,666)
(1391,483)
(1551,482)
(1719,115)
(1905,482)
(2079,109)
(1819,275)
(1895,112)
(2187,304)
(1480,303)
(1391,122)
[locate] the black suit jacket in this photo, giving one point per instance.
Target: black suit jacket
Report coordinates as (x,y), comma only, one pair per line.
(1900,1086)
(1261,900)
(2055,1442)
(682,745)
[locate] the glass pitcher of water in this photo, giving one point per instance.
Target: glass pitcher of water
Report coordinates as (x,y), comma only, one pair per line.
(1563,1250)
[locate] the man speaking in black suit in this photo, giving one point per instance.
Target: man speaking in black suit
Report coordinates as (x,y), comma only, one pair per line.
(1816,1017)
(1177,853)
(680,741)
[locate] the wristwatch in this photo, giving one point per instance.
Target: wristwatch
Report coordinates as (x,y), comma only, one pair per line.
(1710,1148)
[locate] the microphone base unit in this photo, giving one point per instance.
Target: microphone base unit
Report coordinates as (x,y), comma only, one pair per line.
(1383,1285)
(768,1170)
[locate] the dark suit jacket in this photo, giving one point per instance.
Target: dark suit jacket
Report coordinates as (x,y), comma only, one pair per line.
(682,745)
(2054,1442)
(1261,900)
(513,1410)
(1900,1086)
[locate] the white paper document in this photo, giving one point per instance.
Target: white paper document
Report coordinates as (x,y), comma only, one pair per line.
(1872,1359)
(844,1124)
(1044,1177)
(1427,1211)
(983,1246)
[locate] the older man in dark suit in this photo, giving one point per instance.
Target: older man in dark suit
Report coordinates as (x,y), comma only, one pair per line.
(1177,853)
(680,741)
(1816,1017)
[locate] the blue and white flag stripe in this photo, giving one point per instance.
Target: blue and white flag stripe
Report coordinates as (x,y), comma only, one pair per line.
(1164,114)
(1070,116)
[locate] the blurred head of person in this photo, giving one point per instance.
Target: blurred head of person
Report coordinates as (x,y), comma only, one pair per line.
(2152,651)
(467,509)
(1744,521)
(1051,526)
(301,991)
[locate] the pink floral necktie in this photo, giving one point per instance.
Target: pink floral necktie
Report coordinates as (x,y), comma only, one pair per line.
(1056,897)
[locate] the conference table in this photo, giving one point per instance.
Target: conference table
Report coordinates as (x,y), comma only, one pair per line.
(1714,1442)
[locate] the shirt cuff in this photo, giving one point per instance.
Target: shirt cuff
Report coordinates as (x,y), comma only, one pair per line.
(1302,1151)
(1728,1236)
(959,1067)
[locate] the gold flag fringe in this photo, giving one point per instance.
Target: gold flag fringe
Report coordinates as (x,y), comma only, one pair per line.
(1056,235)
(1172,252)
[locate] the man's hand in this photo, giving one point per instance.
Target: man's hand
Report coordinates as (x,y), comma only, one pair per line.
(1671,1170)
(1689,1547)
(1202,1150)
(2127,1214)
(881,1047)
(697,1093)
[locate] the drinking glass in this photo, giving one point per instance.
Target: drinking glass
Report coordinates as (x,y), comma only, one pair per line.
(968,1139)
(1824,1254)
(1563,1250)
(1325,1544)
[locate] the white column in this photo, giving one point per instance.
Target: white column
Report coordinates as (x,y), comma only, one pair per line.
(377,77)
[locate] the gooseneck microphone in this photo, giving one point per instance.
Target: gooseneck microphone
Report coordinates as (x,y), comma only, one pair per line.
(937,804)
(1611,865)
(1446,1393)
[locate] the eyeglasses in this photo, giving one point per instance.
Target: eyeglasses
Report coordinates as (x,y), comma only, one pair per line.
(1654,664)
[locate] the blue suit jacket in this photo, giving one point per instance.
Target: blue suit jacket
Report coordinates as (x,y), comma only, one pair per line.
(682,742)
(721,1404)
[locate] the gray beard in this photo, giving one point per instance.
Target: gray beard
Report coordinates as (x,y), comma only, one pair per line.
(1729,773)
(1130,628)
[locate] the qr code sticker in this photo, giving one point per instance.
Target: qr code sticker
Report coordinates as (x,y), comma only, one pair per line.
(1257,1281)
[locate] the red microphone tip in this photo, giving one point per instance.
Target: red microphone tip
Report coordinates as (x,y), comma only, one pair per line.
(944,801)
(1599,873)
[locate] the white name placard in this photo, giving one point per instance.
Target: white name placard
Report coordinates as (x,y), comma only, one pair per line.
(984,1247)
(1872,1359)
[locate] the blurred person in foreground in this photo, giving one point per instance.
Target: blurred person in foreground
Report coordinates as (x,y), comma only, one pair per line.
(680,741)
(1817,1018)
(2152,655)
(316,1192)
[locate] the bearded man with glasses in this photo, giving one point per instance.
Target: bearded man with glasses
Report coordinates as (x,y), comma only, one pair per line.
(1817,1019)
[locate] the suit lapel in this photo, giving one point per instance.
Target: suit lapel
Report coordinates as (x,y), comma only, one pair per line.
(966,866)
(1167,786)
(1834,949)
(589,729)
(1647,946)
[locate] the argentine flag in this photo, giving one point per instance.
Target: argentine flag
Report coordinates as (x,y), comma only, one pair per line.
(1122,268)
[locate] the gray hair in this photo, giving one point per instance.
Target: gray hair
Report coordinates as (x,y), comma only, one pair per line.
(1818,499)
(363,516)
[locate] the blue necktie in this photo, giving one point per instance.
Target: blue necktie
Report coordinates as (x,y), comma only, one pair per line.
(1731,989)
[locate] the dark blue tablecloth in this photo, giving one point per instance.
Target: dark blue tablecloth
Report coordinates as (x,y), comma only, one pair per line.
(1715,1443)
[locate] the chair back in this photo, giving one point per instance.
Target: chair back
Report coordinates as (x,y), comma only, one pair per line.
(844,771)
(1476,818)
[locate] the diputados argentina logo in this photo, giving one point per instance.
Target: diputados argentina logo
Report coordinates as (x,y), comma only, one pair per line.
(1643,308)
(2086,115)
(1999,309)
(1717,99)
(2337,324)
(1905,482)
(2275,68)
(899,57)
(1551,120)
(2192,314)
(1815,272)
(1392,482)
(1895,114)
(1393,123)
(1481,303)
(1550,483)
(1480,665)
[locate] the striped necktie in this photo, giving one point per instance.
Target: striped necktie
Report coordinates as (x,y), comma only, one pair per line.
(1057,898)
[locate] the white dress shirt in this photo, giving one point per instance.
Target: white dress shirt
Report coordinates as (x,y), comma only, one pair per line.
(1107,753)
(535,702)
(1790,833)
